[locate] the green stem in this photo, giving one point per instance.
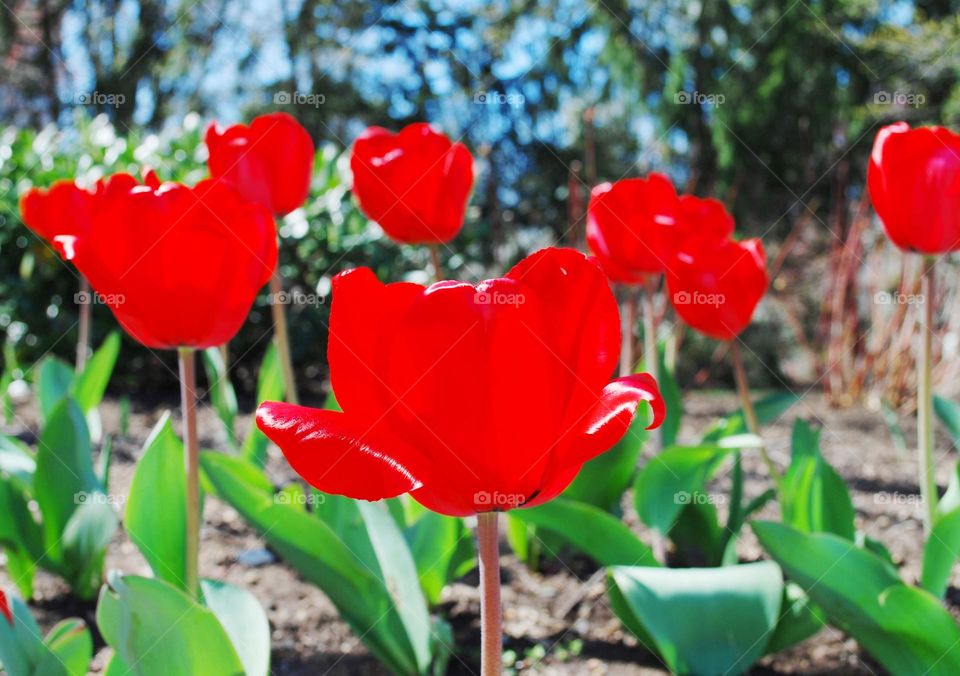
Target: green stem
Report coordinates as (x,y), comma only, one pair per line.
(928,483)
(749,413)
(83,335)
(188,397)
(435,262)
(491,616)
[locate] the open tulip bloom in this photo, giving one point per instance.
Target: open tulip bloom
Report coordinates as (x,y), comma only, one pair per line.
(914,183)
(472,399)
(269,162)
(180,268)
(415,184)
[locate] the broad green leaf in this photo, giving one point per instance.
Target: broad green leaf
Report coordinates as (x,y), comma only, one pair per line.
(699,537)
(592,531)
(70,647)
(399,577)
(903,628)
(21,646)
(64,477)
(735,609)
(156,518)
(674,478)
(949,413)
(243,618)
(814,497)
(161,630)
(672,398)
(269,388)
(769,409)
(602,481)
(88,387)
(799,620)
(55,378)
(940,553)
(17,461)
(85,540)
(435,541)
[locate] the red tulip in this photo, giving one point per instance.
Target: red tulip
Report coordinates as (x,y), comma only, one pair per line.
(415,184)
(64,208)
(715,285)
(269,162)
(471,398)
(914,182)
(5,608)
(630,226)
(179,266)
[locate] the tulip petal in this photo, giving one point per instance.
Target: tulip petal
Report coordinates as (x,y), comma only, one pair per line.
(337,455)
(610,418)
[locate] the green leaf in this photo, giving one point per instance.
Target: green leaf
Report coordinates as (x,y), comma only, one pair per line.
(814,497)
(21,647)
(602,481)
(89,386)
(672,398)
(799,619)
(245,622)
(903,628)
(161,630)
(54,383)
(674,478)
(940,553)
(222,394)
(64,477)
(269,388)
(70,647)
(736,609)
(769,409)
(949,413)
(436,542)
(17,461)
(85,540)
(156,518)
(592,531)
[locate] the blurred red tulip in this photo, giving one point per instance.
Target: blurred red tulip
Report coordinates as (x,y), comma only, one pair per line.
(179,266)
(472,398)
(269,162)
(5,608)
(63,208)
(630,226)
(914,182)
(715,285)
(415,184)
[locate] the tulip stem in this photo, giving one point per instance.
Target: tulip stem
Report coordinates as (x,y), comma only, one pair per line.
(928,482)
(83,335)
(435,262)
(281,336)
(491,616)
(188,399)
(749,413)
(650,357)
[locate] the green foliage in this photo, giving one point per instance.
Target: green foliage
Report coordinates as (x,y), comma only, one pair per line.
(66,650)
(700,620)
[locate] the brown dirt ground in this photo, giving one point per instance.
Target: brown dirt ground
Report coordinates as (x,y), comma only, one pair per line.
(309,638)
